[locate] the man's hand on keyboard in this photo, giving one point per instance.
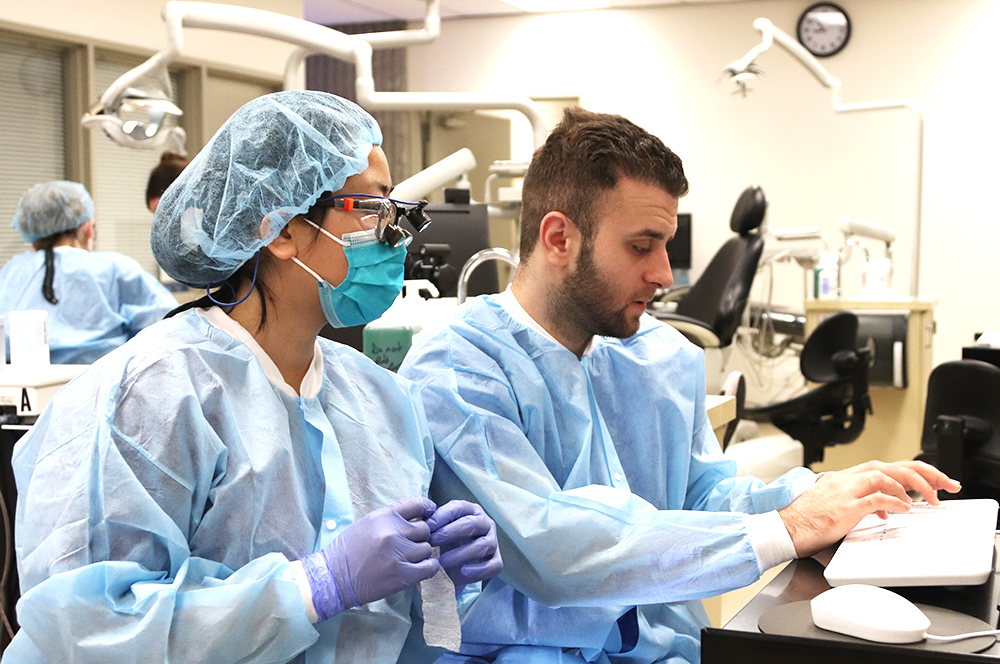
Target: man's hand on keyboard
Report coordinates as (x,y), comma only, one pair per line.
(913,476)
(839,500)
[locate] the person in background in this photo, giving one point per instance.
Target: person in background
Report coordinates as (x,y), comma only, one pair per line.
(96,300)
(163,174)
(584,434)
(227,486)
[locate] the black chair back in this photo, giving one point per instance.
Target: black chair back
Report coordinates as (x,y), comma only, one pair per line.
(835,334)
(961,434)
(833,413)
(720,295)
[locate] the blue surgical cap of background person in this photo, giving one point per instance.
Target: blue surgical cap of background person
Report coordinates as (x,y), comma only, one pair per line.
(269,162)
(50,208)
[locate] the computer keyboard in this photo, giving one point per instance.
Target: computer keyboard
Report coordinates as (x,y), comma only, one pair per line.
(949,544)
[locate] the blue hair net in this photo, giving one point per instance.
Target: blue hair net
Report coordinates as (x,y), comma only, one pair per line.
(52,207)
(269,162)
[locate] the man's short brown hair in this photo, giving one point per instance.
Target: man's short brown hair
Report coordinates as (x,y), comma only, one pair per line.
(585,156)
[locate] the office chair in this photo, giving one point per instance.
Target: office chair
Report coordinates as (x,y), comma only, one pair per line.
(961,433)
(709,312)
(834,412)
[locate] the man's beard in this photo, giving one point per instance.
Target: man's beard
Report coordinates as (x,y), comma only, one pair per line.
(584,302)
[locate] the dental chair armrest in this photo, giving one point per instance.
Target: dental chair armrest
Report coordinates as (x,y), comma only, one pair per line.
(673,294)
(696,331)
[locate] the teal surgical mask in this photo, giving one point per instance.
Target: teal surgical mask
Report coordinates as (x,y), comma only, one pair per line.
(374,279)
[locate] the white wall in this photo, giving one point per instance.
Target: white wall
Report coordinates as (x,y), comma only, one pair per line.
(661,67)
(138,24)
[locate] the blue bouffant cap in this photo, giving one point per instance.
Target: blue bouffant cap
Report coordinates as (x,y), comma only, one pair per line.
(268,163)
(50,208)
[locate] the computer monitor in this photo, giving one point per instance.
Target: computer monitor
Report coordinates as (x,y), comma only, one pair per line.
(679,248)
(465,229)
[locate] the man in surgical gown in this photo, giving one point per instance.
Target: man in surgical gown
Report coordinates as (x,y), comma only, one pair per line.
(584,432)
(96,300)
(227,487)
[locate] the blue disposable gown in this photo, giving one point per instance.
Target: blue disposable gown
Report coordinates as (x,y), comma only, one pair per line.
(104,300)
(617,510)
(164,491)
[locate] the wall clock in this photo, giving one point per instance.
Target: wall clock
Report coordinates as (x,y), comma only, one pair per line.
(824,29)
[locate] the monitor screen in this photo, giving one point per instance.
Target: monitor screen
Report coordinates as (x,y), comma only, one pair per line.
(679,248)
(465,229)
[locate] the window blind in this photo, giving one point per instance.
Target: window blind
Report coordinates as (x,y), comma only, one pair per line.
(31,127)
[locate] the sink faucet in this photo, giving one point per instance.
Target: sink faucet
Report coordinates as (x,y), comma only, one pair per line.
(477,259)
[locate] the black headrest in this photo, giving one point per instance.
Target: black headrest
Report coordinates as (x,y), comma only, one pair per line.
(963,387)
(835,334)
(748,213)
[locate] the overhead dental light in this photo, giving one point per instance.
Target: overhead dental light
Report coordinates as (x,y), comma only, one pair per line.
(744,70)
(146,89)
(137,111)
(742,79)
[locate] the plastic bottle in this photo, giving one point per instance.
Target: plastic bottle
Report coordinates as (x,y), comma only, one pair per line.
(388,339)
(825,277)
(875,278)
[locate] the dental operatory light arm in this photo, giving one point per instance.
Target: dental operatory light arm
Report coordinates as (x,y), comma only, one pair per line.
(746,68)
(388,39)
(742,71)
(311,38)
(403,38)
(450,168)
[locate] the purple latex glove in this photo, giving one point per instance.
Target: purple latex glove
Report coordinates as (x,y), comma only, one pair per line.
(376,556)
(468,541)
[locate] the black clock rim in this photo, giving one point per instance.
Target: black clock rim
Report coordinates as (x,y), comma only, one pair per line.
(833,5)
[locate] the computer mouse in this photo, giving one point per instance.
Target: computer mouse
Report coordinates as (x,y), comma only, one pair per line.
(869,612)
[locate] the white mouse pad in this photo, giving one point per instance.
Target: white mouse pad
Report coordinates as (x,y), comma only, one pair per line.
(795,619)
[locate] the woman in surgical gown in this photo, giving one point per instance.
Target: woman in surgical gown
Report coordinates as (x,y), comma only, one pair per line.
(96,300)
(227,487)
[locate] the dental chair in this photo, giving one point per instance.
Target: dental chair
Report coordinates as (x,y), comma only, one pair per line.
(832,413)
(961,434)
(709,312)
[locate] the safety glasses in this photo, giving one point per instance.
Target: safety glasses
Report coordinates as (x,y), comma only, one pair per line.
(387,213)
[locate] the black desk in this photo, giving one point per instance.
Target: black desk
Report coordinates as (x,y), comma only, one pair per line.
(741,641)
(25,391)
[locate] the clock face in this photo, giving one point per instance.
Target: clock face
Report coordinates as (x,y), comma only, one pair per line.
(824,29)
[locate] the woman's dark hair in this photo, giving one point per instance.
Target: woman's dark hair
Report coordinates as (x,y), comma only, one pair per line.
(163,174)
(227,290)
(47,244)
